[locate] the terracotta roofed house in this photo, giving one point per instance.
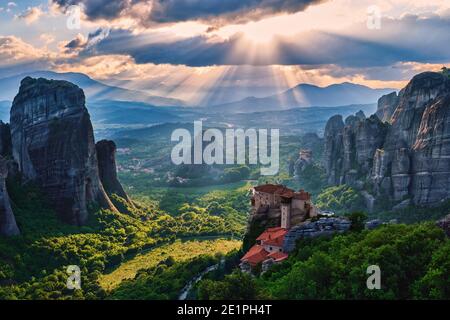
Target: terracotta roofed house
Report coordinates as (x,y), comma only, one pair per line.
(255,255)
(268,245)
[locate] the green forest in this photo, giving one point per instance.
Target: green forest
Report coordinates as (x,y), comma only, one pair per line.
(137,254)
(33,265)
(413,260)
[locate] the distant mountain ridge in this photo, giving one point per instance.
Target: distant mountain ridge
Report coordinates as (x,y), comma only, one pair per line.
(94,90)
(308,95)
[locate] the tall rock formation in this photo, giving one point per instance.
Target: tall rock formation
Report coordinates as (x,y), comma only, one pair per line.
(53,144)
(350,146)
(8,225)
(5,139)
(106,154)
(407,158)
(386,106)
(333,150)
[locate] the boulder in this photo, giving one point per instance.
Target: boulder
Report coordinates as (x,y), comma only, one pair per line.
(372,224)
(267,265)
(444,223)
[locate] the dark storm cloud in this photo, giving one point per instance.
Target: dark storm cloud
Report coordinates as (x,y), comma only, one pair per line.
(97,9)
(196,51)
(172,11)
(234,10)
(76,43)
(80,43)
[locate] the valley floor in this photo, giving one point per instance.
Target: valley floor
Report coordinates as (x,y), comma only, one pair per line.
(179,251)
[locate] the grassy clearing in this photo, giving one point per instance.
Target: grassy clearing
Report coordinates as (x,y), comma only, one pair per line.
(179,251)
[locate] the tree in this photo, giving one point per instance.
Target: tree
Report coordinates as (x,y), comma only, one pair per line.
(357,218)
(215,209)
(235,286)
(340,199)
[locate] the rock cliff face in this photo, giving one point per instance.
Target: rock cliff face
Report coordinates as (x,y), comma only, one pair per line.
(406,159)
(106,154)
(333,152)
(386,106)
(8,226)
(53,144)
(5,139)
(349,146)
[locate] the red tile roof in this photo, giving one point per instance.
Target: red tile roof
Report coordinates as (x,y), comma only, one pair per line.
(278,256)
(255,255)
(283,191)
(273,236)
(302,195)
(258,254)
(269,188)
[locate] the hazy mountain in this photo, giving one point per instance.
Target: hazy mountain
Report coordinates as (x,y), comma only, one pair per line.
(93,89)
(307,95)
(125,112)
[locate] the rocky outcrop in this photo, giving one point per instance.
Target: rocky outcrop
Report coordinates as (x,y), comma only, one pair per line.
(309,142)
(404,160)
(369,136)
(444,223)
(5,139)
(106,156)
(303,160)
(333,151)
(8,225)
(53,145)
(350,147)
(386,106)
(314,229)
(430,162)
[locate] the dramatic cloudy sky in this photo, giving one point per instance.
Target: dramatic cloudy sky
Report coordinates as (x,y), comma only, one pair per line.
(220,50)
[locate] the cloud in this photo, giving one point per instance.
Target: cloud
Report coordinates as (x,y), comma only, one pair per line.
(401,40)
(215,12)
(13,49)
(47,38)
(16,56)
(10,6)
(236,11)
(80,43)
(31,15)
